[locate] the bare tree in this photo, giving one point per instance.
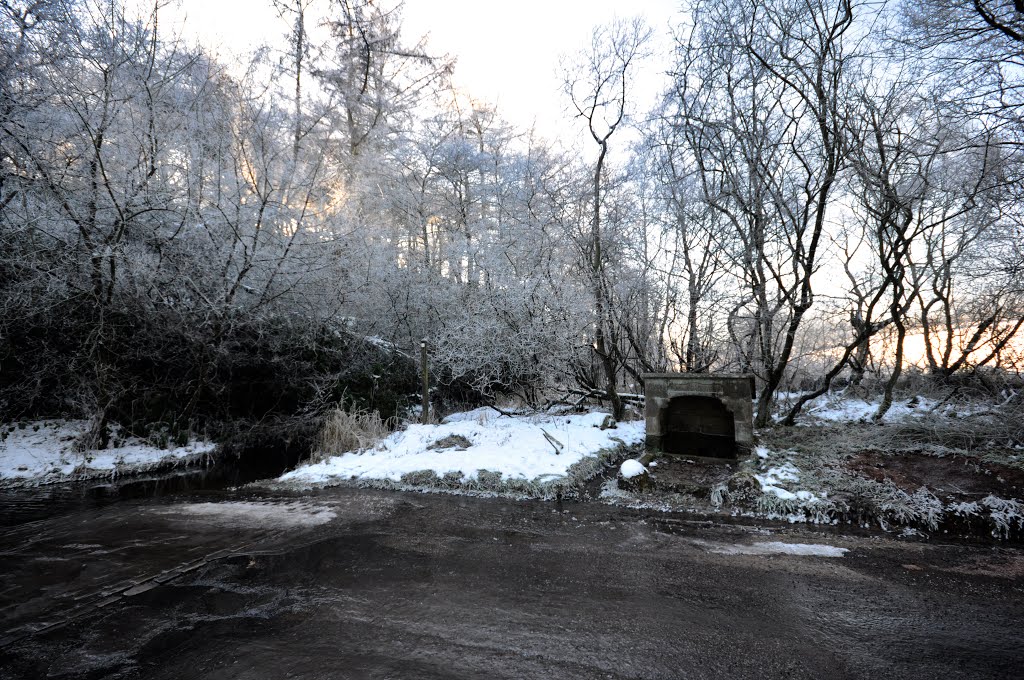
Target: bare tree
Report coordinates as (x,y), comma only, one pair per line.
(973,50)
(760,92)
(597,86)
(976,49)
(296,12)
(694,230)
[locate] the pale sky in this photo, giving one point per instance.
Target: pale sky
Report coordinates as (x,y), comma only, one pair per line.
(508,52)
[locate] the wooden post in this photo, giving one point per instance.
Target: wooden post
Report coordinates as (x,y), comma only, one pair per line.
(425,418)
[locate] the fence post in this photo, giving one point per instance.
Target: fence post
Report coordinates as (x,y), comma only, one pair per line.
(426,382)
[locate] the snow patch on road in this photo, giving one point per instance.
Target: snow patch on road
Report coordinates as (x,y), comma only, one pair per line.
(779,548)
(256,513)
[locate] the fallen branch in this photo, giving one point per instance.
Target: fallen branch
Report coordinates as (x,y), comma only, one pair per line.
(601,394)
(555,444)
(504,413)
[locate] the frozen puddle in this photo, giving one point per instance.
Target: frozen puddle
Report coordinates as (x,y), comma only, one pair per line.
(255,513)
(777,548)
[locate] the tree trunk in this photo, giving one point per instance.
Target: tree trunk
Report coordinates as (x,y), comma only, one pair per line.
(600,302)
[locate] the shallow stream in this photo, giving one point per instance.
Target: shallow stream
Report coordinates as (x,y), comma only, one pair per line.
(20,506)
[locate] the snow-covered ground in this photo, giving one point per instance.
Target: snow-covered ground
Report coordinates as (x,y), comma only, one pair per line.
(850,409)
(540,448)
(44,451)
(775,479)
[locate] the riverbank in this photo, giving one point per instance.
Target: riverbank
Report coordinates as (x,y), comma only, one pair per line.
(927,469)
(483,452)
(40,452)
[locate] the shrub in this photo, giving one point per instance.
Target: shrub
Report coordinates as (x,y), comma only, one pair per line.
(137,364)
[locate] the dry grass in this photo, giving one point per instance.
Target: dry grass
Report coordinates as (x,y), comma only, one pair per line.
(973,432)
(822,454)
(346,430)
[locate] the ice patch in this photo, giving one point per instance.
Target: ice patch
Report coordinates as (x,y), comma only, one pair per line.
(775,479)
(772,479)
(787,472)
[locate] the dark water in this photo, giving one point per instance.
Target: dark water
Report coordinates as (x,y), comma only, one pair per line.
(21,506)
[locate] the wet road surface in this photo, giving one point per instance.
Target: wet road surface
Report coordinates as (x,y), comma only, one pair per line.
(364,584)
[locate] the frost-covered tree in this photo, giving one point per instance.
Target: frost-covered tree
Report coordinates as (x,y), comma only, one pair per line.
(598,87)
(760,92)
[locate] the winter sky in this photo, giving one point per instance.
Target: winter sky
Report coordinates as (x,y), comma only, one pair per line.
(508,52)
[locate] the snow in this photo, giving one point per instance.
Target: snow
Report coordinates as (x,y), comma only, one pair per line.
(780,548)
(833,409)
(528,447)
(44,451)
(632,468)
(255,514)
(771,481)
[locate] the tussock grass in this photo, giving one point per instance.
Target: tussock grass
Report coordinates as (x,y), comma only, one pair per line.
(990,435)
(950,427)
(1007,516)
(349,430)
(941,434)
(421,478)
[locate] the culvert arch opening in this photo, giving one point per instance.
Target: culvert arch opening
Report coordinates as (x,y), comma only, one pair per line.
(698,426)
